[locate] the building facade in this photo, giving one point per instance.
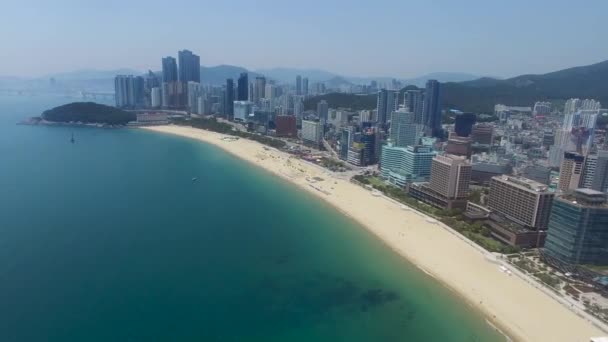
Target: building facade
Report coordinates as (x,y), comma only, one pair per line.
(578,228)
(400,166)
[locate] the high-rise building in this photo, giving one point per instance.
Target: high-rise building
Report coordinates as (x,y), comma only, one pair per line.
(129,91)
(450,176)
(298,107)
(402,165)
(286,126)
(600,176)
(483,133)
(229,99)
(243,87)
(305,86)
(346,139)
(521,200)
(242,109)
(432,109)
(414,103)
(270,91)
(322,110)
(194,92)
(578,228)
(298,85)
(463,124)
(156,97)
(449,184)
(312,132)
(459,146)
(169,70)
(404,131)
(387,103)
(189,67)
(259,89)
(571,171)
(124,91)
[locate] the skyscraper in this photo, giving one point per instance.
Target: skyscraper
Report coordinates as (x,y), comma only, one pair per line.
(305,86)
(243,87)
(450,176)
(298,85)
(189,67)
(124,91)
(404,131)
(169,69)
(259,89)
(229,99)
(432,109)
(571,171)
(387,103)
(414,103)
(463,124)
(521,200)
(578,228)
(312,132)
(322,110)
(402,165)
(600,176)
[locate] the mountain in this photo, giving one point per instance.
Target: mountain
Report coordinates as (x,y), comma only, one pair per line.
(288,75)
(217,75)
(441,77)
(482,94)
(91,74)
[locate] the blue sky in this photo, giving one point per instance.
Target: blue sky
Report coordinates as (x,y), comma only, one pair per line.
(399,38)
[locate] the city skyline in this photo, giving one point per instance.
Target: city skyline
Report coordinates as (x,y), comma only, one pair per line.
(477,43)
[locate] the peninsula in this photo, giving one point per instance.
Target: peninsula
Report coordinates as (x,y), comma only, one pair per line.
(84,113)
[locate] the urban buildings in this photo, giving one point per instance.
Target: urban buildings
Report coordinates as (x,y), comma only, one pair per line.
(322,110)
(578,228)
(242,109)
(229,99)
(189,67)
(600,175)
(542,108)
(432,109)
(449,184)
(286,126)
(299,85)
(403,165)
(156,97)
(169,70)
(243,87)
(129,91)
(259,89)
(520,210)
(404,131)
(571,171)
(414,103)
(305,86)
(386,104)
(483,133)
(459,146)
(463,124)
(312,132)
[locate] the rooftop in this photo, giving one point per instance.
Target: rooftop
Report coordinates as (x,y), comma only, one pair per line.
(524,183)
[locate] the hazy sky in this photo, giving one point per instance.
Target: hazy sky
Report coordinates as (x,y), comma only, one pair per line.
(400,38)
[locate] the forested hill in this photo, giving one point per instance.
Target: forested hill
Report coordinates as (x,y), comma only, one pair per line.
(88,112)
(481,95)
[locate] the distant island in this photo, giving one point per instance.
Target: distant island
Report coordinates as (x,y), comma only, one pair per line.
(88,112)
(83,113)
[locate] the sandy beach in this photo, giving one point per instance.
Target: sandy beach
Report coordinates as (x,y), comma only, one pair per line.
(517,308)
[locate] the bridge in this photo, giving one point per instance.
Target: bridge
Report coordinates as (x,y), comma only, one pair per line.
(83,94)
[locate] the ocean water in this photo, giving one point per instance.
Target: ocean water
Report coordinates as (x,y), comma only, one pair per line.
(108,239)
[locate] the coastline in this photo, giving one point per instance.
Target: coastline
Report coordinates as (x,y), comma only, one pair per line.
(508,302)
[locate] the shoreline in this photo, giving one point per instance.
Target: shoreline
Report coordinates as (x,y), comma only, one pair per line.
(508,303)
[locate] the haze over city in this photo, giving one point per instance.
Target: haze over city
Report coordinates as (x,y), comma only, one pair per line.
(354,38)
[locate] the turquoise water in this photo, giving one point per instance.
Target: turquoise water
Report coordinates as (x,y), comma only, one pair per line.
(110,240)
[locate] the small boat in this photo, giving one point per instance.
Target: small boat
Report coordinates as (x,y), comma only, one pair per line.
(194,179)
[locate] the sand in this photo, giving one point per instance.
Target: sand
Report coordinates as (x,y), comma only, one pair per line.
(517,308)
